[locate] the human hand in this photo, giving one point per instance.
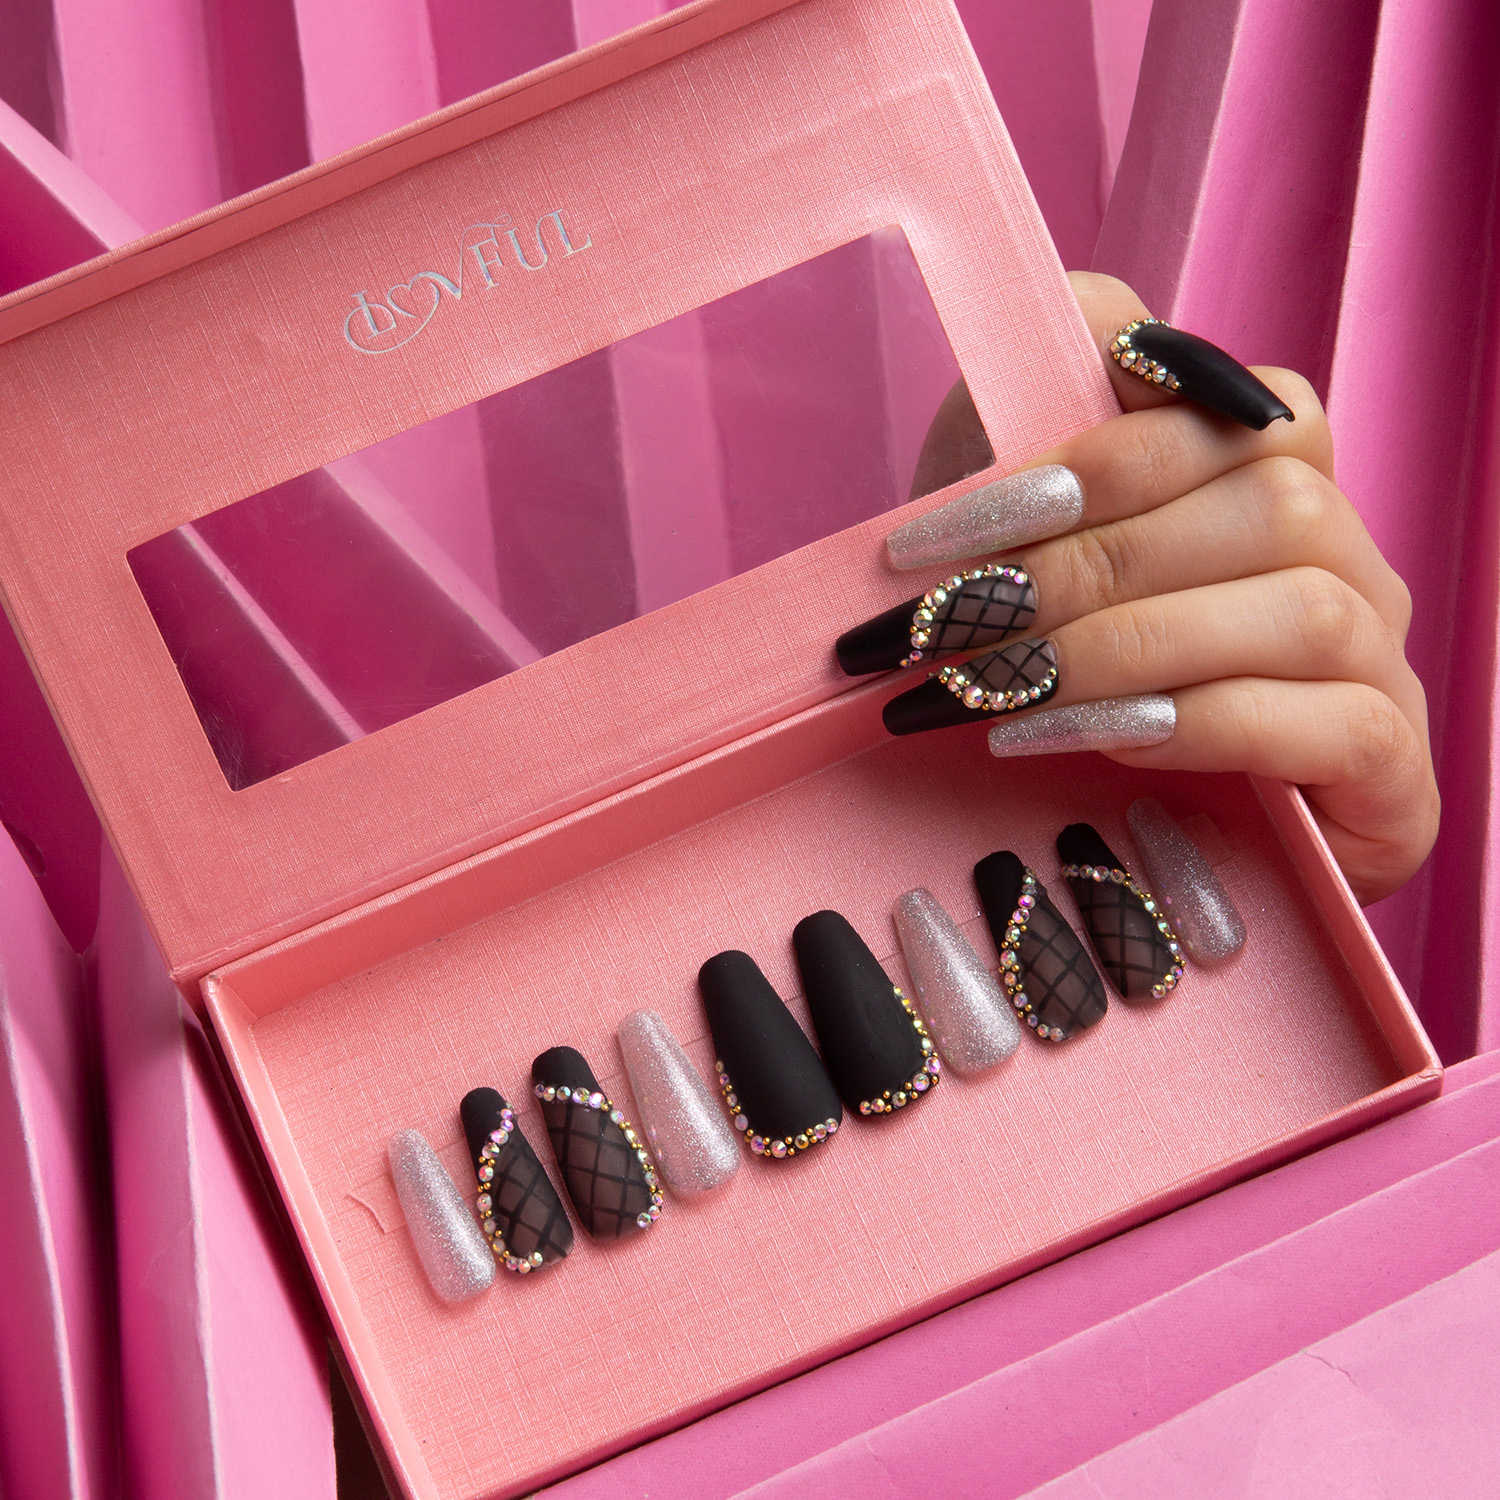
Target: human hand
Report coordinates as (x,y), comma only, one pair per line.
(1203,560)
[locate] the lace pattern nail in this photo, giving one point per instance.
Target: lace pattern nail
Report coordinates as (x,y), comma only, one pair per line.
(520,1213)
(605,1166)
(1130,932)
(1014,677)
(967,610)
(1047,974)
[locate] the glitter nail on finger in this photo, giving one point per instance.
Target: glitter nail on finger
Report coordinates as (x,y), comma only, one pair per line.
(1025,507)
(1131,723)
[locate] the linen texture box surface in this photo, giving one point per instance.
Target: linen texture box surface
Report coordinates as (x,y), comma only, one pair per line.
(412,789)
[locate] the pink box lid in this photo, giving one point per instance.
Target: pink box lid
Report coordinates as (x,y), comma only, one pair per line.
(161,382)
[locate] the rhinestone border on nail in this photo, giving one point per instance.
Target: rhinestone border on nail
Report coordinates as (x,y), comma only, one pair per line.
(971,695)
(1124,353)
(771,1148)
(1010,962)
(489,1154)
(921,1082)
(1115,875)
(598,1099)
(933,600)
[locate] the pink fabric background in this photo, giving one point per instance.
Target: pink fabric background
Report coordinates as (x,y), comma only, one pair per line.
(1289,180)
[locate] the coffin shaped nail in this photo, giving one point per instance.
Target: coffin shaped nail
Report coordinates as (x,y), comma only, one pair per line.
(1047,972)
(970,609)
(1206,921)
(519,1211)
(444,1235)
(971,1018)
(777,1092)
(1130,933)
(685,1129)
(1016,676)
(604,1163)
(877,1048)
(1103,724)
(1009,512)
(1201,372)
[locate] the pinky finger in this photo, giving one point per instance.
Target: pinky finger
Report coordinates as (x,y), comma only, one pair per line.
(1359,760)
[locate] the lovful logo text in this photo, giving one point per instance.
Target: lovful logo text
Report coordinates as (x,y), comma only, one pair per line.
(487,253)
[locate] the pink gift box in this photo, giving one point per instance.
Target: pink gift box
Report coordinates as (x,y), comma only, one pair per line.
(381,907)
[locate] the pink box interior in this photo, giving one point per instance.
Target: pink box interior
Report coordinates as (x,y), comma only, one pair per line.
(385,1017)
(425,907)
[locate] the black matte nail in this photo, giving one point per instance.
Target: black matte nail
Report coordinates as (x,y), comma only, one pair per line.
(1129,930)
(970,609)
(519,1210)
(774,1084)
(1016,676)
(1199,371)
(605,1166)
(878,1052)
(1046,971)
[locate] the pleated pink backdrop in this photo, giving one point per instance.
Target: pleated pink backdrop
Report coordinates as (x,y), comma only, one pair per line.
(1312,186)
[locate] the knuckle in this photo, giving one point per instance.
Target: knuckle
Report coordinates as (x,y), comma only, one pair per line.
(1401,607)
(1156,459)
(1326,613)
(1378,740)
(1097,566)
(1137,643)
(1298,501)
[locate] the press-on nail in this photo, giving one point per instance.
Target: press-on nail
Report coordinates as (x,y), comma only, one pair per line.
(519,1210)
(778,1093)
(972,608)
(685,1128)
(1104,724)
(878,1052)
(972,1022)
(1007,512)
(1045,969)
(1016,676)
(1199,371)
(604,1163)
(1207,923)
(1130,932)
(446,1239)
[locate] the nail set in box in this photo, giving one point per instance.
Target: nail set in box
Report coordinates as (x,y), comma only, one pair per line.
(433,562)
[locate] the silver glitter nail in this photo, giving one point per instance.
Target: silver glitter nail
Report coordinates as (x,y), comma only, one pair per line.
(444,1232)
(684,1123)
(970,1018)
(1104,724)
(1207,922)
(1008,512)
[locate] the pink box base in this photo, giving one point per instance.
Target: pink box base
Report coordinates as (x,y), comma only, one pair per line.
(384,1017)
